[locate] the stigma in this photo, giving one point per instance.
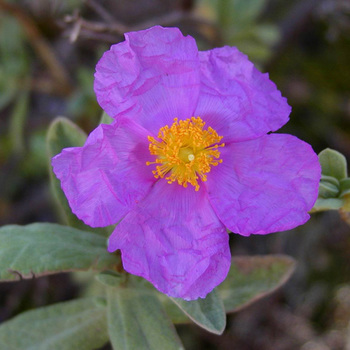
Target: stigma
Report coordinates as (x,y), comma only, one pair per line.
(185,152)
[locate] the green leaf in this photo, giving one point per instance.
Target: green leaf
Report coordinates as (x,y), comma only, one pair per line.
(136,320)
(43,248)
(208,313)
(105,119)
(344,187)
(176,315)
(63,133)
(333,164)
(109,278)
(251,278)
(327,204)
(327,190)
(331,180)
(79,324)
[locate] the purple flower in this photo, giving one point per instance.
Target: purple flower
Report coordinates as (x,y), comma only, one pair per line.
(187,156)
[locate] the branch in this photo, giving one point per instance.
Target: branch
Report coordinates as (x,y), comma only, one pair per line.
(108,31)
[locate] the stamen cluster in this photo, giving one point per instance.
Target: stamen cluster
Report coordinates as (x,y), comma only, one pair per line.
(185,151)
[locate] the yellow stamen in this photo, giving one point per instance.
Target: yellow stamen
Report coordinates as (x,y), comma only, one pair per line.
(185,151)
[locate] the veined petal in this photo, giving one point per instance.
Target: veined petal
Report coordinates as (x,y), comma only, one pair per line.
(264,185)
(237,100)
(174,240)
(105,179)
(153,75)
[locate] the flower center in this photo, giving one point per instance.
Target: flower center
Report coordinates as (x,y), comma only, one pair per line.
(185,151)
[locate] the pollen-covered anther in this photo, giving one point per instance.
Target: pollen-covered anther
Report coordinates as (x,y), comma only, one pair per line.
(185,151)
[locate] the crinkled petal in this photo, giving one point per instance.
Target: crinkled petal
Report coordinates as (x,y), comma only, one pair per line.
(237,100)
(153,75)
(264,185)
(174,240)
(105,179)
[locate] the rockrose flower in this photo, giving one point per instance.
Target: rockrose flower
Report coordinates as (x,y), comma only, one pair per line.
(188,155)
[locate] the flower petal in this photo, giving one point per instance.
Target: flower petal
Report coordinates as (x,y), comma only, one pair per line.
(174,240)
(153,75)
(237,100)
(104,179)
(264,185)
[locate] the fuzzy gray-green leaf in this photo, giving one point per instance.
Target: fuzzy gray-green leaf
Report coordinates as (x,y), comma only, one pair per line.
(43,248)
(208,313)
(136,320)
(323,204)
(253,277)
(62,133)
(79,324)
(344,187)
(327,190)
(333,163)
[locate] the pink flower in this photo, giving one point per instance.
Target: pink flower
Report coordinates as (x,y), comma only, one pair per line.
(177,184)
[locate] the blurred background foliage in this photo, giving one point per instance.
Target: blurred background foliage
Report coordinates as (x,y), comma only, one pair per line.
(48,51)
